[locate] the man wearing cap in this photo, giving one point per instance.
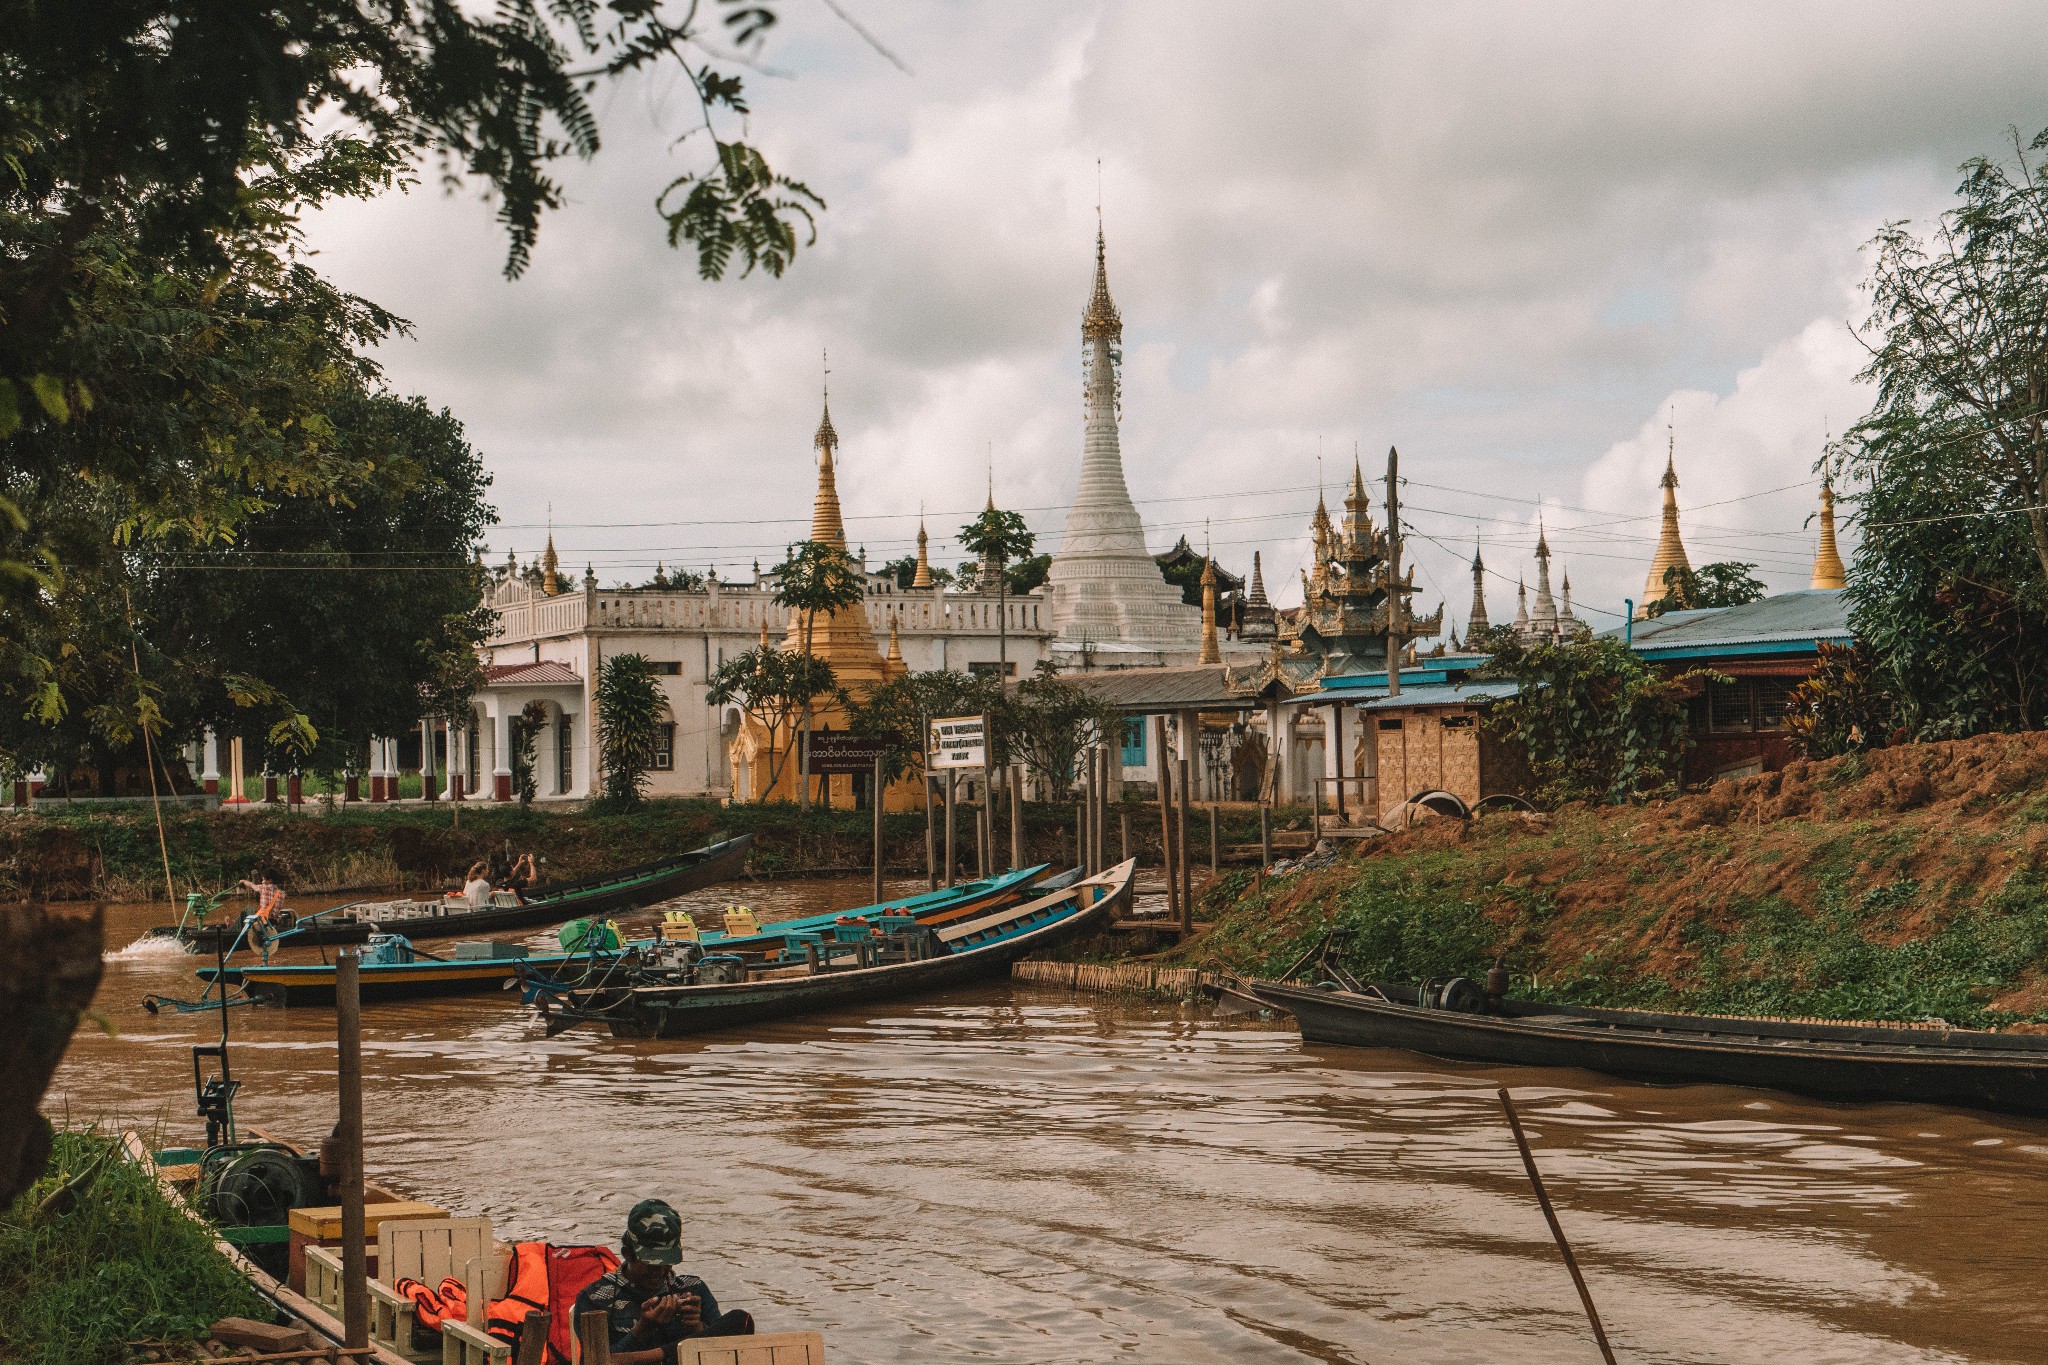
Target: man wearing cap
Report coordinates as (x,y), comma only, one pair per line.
(651,1307)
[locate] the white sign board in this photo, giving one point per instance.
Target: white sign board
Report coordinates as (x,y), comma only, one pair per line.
(957,742)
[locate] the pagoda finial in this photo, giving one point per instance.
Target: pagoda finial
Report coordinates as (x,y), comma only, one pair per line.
(1357,514)
(923,576)
(1828,571)
(550,566)
(826,524)
(766,643)
(1670,548)
(1212,653)
(1256,595)
(1100,321)
(895,641)
(1478,620)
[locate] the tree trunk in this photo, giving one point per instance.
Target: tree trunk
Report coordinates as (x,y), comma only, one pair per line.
(803,756)
(49,969)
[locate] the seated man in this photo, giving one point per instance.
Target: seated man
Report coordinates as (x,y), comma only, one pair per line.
(651,1308)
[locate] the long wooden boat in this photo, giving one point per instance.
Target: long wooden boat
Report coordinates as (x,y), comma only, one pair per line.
(928,959)
(429,976)
(606,894)
(2005,1072)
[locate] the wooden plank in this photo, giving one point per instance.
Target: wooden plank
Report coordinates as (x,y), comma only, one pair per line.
(323,1222)
(770,1348)
(260,1336)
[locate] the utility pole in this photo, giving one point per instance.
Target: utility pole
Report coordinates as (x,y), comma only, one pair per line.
(1395,604)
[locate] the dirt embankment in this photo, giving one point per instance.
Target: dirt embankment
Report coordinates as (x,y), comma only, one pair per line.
(1905,883)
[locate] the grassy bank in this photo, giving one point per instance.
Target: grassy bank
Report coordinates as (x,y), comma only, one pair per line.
(1905,884)
(121,1265)
(55,855)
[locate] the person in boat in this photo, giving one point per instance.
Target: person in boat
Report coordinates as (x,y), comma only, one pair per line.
(269,896)
(652,1308)
(476,886)
(522,876)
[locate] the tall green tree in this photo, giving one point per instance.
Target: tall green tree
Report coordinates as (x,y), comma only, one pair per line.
(816,577)
(629,721)
(1949,470)
(1003,537)
(1052,721)
(900,708)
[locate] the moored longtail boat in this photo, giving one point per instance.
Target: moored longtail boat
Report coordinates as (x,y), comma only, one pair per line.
(897,960)
(2005,1072)
(412,974)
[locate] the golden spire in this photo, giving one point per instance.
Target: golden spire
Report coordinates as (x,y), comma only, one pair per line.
(923,578)
(1319,580)
(895,641)
(550,566)
(1357,514)
(1827,563)
(826,523)
(766,643)
(1670,549)
(1100,319)
(1211,652)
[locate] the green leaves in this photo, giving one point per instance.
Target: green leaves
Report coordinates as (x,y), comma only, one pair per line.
(740,208)
(630,716)
(1596,722)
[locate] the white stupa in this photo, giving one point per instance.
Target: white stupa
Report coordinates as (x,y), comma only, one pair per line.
(1109,605)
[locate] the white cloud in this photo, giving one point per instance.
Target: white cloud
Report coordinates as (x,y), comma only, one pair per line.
(1505,238)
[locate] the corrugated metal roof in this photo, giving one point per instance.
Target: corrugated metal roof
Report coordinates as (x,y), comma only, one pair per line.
(1443,694)
(1789,619)
(530,674)
(1186,688)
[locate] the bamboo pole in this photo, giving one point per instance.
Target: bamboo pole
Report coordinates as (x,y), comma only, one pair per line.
(1016,817)
(1571,1262)
(1187,876)
(1165,766)
(951,825)
(348,1030)
(877,803)
(931,837)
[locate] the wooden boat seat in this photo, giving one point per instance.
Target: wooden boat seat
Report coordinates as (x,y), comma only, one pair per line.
(740,922)
(678,927)
(771,1348)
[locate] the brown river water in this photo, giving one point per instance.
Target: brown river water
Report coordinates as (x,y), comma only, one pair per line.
(1015,1173)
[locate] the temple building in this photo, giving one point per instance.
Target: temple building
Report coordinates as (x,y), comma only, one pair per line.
(1548,622)
(1670,549)
(1107,603)
(1345,615)
(543,655)
(1478,620)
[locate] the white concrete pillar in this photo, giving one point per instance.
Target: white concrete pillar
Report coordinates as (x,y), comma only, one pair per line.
(209,778)
(501,753)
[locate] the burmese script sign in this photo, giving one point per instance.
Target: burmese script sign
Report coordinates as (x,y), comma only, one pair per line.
(957,742)
(841,751)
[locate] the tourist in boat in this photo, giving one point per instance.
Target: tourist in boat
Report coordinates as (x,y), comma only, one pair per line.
(650,1307)
(522,876)
(476,887)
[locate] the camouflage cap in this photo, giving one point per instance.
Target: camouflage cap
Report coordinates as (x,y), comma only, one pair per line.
(654,1233)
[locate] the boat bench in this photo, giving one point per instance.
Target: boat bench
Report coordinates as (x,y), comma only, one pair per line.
(428,1250)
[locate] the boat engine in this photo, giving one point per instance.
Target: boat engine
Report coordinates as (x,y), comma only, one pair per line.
(720,969)
(256,1185)
(1460,995)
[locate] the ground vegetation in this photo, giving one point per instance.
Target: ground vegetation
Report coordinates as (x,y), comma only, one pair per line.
(1595,721)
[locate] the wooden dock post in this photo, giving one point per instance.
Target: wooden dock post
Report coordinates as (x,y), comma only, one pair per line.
(533,1339)
(594,1338)
(1081,834)
(1265,841)
(1187,876)
(931,836)
(1166,816)
(950,824)
(1016,816)
(1123,830)
(348,1037)
(877,795)
(1102,807)
(1215,863)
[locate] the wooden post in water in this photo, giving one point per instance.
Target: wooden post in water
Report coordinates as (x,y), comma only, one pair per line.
(877,802)
(1016,775)
(931,836)
(1102,807)
(348,1070)
(983,819)
(594,1338)
(1166,816)
(1081,835)
(1571,1262)
(1187,876)
(951,824)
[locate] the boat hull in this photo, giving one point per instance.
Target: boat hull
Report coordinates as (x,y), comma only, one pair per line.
(379,983)
(680,1011)
(1947,1068)
(719,862)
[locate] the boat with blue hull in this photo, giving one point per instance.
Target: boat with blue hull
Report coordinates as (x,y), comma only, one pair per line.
(898,958)
(393,969)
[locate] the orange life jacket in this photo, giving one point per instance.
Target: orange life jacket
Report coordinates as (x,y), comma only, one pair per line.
(547,1278)
(432,1307)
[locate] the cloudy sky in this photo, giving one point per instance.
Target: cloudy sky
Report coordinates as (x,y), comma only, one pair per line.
(1514,240)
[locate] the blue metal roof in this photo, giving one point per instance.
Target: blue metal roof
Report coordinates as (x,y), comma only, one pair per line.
(1788,623)
(1441,668)
(1443,694)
